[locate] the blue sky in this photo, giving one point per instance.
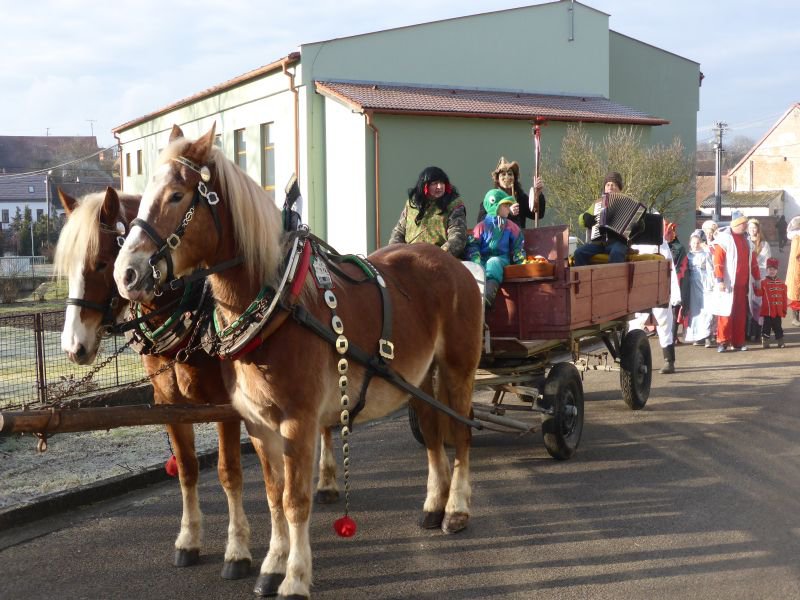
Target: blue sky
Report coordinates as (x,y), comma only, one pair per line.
(77,66)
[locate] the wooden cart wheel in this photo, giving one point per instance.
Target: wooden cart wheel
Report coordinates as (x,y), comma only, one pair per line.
(563,424)
(636,372)
(413,422)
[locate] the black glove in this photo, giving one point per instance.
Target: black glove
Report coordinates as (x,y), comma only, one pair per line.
(637,228)
(589,220)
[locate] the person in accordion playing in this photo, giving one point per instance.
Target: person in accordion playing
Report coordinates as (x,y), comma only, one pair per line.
(608,242)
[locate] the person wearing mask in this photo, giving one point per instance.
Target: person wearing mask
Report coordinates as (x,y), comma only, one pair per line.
(433,214)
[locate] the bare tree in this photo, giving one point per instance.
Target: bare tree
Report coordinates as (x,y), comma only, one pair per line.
(659,176)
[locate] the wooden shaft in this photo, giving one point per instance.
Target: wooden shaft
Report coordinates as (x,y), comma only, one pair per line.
(66,420)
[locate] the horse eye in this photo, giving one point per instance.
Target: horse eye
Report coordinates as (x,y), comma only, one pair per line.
(176,197)
(100,265)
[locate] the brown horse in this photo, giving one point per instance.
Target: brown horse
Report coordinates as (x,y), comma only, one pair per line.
(289,385)
(85,254)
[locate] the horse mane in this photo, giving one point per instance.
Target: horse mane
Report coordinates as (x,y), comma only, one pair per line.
(256,219)
(80,237)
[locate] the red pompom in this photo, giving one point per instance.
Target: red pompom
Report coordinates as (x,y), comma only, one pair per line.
(345,527)
(172,466)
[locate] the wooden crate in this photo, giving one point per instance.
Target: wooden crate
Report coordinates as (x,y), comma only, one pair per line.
(575,297)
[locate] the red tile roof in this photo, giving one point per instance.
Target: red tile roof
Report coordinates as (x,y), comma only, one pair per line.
(405,99)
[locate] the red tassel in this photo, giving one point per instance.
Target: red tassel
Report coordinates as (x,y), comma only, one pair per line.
(345,527)
(172,466)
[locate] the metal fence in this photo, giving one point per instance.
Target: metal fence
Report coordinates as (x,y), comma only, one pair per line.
(34,370)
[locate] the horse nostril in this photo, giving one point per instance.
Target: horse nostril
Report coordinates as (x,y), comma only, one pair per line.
(130,278)
(80,352)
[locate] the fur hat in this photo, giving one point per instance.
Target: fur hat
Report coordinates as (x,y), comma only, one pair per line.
(494,199)
(772,263)
(505,165)
(737,218)
(615,177)
(712,225)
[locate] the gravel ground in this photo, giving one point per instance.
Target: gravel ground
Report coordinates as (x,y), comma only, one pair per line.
(74,459)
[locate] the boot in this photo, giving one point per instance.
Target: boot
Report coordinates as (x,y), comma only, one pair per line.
(669,360)
(490,292)
(765,342)
(796,319)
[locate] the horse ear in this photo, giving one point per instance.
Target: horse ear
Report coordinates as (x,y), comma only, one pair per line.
(176,133)
(68,202)
(110,209)
(200,150)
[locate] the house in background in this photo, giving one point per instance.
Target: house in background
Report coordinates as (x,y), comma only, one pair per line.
(358,118)
(765,206)
(773,165)
(33,167)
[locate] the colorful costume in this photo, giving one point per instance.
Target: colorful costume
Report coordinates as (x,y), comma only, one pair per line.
(773,306)
(793,269)
(736,267)
(701,283)
(495,242)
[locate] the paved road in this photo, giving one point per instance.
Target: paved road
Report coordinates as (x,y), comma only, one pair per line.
(696,496)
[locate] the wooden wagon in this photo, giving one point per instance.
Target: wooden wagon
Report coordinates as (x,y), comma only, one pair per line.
(542,331)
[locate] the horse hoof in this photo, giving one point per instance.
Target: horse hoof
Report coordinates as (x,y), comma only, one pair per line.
(186,558)
(432,520)
(327,496)
(455,522)
(267,585)
(236,569)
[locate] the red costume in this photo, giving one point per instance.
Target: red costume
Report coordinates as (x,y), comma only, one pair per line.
(773,297)
(731,328)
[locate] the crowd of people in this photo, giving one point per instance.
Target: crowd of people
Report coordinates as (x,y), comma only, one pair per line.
(725,288)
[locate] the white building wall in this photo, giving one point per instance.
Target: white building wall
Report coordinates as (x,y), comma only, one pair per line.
(346,188)
(266,100)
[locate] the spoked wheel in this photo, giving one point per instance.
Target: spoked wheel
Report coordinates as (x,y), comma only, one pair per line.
(636,372)
(562,425)
(413,422)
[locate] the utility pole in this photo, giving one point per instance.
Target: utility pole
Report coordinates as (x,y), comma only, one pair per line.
(91,125)
(719,129)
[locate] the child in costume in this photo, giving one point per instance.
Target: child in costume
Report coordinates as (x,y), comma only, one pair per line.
(496,241)
(773,304)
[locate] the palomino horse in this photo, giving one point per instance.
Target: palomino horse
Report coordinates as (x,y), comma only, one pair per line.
(86,251)
(288,385)
(85,254)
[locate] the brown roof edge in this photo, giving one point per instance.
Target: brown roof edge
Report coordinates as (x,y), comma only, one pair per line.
(288,60)
(543,118)
(327,90)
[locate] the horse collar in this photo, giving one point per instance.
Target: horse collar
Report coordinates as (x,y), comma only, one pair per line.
(259,320)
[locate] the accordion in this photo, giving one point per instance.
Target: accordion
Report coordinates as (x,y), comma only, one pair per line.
(616,213)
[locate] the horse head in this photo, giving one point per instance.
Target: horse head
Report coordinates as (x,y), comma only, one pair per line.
(187,219)
(85,254)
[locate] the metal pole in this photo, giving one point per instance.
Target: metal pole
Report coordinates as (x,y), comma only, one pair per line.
(47,200)
(719,128)
(33,248)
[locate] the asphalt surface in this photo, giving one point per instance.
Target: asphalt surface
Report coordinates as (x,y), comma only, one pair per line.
(695,496)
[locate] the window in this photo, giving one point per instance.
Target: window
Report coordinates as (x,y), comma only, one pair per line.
(30,189)
(240,149)
(268,160)
(128,164)
(39,214)
(218,141)
(4,218)
(138,162)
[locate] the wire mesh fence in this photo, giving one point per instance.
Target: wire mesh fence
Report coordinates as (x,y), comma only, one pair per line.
(34,370)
